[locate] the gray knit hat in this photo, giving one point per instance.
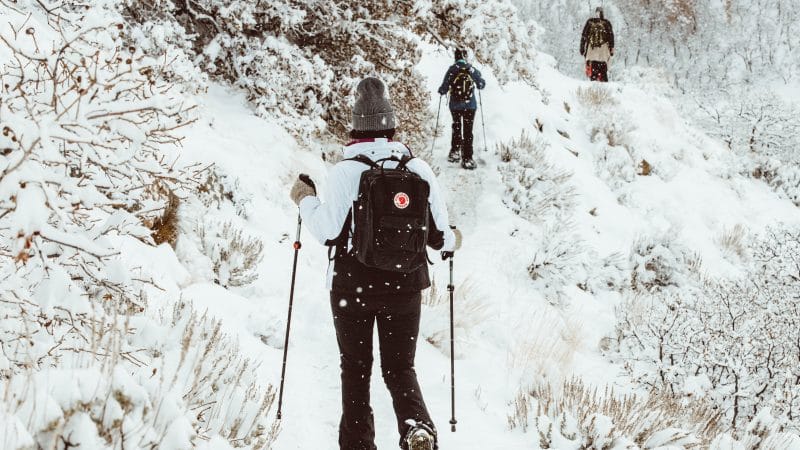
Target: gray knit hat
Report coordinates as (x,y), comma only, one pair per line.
(372,111)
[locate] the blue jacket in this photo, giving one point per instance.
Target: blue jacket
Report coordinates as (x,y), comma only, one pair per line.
(448,78)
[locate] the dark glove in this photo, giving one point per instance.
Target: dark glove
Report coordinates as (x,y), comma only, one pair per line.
(442,91)
(447,255)
(303,187)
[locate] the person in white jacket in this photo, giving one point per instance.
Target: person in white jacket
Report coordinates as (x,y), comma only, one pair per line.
(360,295)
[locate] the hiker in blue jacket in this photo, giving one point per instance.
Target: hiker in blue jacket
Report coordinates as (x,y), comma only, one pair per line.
(460,81)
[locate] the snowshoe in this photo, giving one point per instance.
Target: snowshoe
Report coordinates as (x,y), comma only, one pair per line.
(454,156)
(468,163)
(420,437)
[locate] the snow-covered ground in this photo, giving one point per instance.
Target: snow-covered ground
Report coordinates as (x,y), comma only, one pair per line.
(689,194)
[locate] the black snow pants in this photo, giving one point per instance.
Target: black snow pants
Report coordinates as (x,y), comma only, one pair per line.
(598,71)
(397,317)
(461,142)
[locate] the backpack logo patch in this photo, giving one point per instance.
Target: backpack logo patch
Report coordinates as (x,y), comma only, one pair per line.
(401,200)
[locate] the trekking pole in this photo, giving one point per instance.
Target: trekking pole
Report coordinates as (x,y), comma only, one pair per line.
(297,246)
(436,130)
(483,122)
(451,288)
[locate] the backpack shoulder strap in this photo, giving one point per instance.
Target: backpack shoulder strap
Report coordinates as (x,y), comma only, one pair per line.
(364,160)
(403,164)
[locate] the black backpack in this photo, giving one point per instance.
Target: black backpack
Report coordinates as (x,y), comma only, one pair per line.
(462,86)
(597,34)
(391,216)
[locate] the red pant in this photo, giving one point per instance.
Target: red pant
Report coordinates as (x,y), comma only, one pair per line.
(597,70)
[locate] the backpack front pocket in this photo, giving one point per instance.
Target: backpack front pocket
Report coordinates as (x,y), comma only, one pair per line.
(401,234)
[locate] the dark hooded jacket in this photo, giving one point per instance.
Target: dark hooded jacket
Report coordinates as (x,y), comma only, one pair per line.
(608,34)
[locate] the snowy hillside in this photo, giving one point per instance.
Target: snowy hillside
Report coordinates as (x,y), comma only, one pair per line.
(606,238)
(513,332)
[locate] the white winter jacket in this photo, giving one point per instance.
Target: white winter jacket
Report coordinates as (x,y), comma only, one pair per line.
(601,54)
(325,219)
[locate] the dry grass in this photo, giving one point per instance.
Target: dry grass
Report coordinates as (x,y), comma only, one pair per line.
(733,240)
(595,96)
(575,409)
(470,308)
(546,347)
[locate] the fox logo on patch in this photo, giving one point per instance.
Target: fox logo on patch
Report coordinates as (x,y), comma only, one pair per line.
(401,200)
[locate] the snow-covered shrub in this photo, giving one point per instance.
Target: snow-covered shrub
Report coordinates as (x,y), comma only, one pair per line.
(577,416)
(234,256)
(220,189)
(608,273)
(734,341)
(536,188)
(658,261)
(764,432)
(615,165)
(559,261)
(601,109)
(118,382)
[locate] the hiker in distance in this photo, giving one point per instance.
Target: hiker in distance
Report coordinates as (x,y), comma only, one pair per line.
(381,208)
(460,81)
(597,46)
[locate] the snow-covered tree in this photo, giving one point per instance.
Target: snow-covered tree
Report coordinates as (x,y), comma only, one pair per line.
(88,167)
(301,60)
(735,341)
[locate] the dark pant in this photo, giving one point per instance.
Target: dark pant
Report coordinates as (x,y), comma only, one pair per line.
(598,70)
(398,328)
(462,132)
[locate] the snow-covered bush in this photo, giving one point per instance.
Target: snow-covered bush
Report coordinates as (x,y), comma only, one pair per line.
(537,189)
(659,261)
(559,261)
(234,256)
(734,341)
(220,189)
(615,165)
(607,273)
(577,416)
(119,382)
(601,109)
